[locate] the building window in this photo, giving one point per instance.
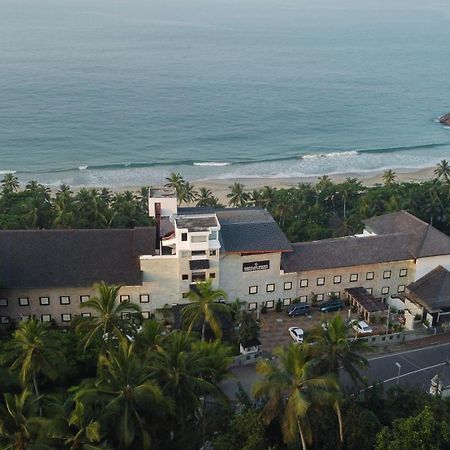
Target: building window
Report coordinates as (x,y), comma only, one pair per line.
(212,275)
(198,276)
(270,304)
(288,285)
(304,283)
(146,314)
(144,298)
(252,306)
(387,274)
(46,317)
(185,276)
(353,277)
(24,301)
(196,239)
(212,252)
(213,236)
(385,290)
(85,314)
(270,287)
(403,272)
(25,318)
(64,300)
(253,289)
(184,237)
(370,275)
(401,288)
(303,298)
(336,294)
(320,281)
(286,301)
(319,297)
(44,301)
(124,298)
(4,320)
(369,290)
(66,317)
(198,252)
(337,279)
(3,302)
(84,298)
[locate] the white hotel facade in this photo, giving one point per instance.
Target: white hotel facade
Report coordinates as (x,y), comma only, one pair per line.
(47,274)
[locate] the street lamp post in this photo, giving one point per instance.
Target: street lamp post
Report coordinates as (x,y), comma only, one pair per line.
(399,369)
(387,321)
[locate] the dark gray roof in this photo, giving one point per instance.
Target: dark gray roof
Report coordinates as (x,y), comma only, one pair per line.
(366,300)
(432,290)
(199,264)
(347,251)
(56,258)
(427,240)
(246,230)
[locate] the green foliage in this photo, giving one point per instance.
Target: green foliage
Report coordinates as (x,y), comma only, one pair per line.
(278,305)
(245,432)
(420,432)
(248,327)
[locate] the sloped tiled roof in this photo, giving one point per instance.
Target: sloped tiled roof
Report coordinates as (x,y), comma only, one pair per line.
(246,230)
(427,240)
(346,252)
(432,290)
(55,258)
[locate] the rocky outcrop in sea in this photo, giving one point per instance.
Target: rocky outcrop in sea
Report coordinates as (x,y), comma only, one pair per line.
(445,119)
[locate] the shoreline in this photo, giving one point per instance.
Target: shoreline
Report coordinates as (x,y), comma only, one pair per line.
(220,187)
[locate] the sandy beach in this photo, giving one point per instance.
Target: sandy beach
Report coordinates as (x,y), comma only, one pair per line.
(220,187)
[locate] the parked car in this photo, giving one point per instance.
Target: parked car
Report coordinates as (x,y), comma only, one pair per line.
(331,305)
(296,334)
(301,309)
(362,328)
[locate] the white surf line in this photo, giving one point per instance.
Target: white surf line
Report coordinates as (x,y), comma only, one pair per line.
(414,371)
(428,347)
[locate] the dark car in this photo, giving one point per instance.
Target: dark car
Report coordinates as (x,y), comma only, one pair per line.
(301,309)
(331,305)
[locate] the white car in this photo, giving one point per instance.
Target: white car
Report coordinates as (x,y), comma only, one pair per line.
(362,328)
(296,334)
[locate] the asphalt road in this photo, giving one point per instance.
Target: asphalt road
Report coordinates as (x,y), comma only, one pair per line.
(418,366)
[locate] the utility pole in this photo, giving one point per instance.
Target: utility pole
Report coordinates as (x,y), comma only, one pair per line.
(399,369)
(387,321)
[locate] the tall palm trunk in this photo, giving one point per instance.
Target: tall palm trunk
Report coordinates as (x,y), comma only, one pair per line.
(36,390)
(203,332)
(341,424)
(302,436)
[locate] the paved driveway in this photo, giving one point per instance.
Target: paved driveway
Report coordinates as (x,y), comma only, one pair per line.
(274,326)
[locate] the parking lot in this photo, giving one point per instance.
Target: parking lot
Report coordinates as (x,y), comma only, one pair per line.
(274,326)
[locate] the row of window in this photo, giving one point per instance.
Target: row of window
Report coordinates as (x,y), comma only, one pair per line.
(337,279)
(66,317)
(187,253)
(270,287)
(212,237)
(201,276)
(65,300)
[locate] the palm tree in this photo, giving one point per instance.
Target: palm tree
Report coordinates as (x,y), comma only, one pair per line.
(10,183)
(69,423)
(189,194)
(291,387)
(235,308)
(389,177)
(175,181)
(205,308)
(268,197)
(130,396)
(205,197)
(150,339)
(182,375)
(110,319)
(17,422)
(335,351)
(32,352)
(443,170)
(237,196)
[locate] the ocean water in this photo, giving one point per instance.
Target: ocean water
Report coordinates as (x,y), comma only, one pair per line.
(122,92)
